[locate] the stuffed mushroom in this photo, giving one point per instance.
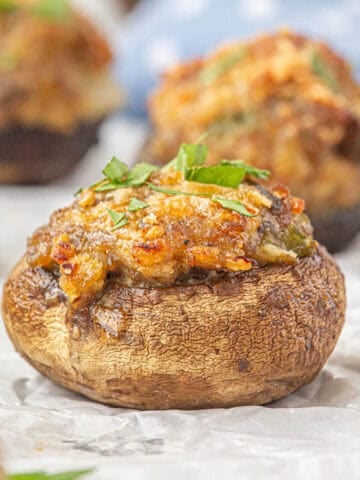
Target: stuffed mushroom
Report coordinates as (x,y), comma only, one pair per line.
(186,287)
(282,102)
(55,89)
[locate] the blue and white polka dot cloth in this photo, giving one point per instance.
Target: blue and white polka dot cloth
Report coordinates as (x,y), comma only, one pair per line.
(162,32)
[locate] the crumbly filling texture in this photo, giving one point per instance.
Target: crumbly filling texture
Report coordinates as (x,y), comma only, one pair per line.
(149,237)
(54,67)
(282,102)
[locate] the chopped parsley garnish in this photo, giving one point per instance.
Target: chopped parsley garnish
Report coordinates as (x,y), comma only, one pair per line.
(115,170)
(189,155)
(139,174)
(106,187)
(169,191)
(71,475)
(249,170)
(215,69)
(190,162)
(118,175)
(119,219)
(136,204)
(323,71)
(222,175)
(234,205)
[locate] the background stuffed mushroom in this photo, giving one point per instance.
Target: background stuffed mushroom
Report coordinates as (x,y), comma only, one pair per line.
(54,95)
(282,102)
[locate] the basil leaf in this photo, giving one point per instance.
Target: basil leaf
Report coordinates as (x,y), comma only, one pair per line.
(52,9)
(234,205)
(72,475)
(139,174)
(215,69)
(78,192)
(323,71)
(136,204)
(249,169)
(119,219)
(7,6)
(223,175)
(176,192)
(116,170)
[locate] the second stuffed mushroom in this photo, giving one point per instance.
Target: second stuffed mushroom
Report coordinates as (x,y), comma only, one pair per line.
(282,102)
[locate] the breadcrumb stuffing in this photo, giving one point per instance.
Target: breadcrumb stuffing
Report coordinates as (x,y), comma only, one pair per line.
(173,235)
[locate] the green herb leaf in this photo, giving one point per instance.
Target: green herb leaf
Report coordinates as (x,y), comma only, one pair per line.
(214,70)
(323,71)
(119,219)
(176,192)
(189,155)
(107,187)
(116,217)
(136,204)
(118,175)
(139,174)
(78,192)
(7,6)
(223,175)
(58,10)
(72,475)
(234,205)
(121,224)
(116,170)
(250,170)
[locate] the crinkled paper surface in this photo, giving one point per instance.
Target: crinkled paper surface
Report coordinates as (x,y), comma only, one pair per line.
(312,434)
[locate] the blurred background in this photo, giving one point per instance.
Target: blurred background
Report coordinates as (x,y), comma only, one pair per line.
(160,33)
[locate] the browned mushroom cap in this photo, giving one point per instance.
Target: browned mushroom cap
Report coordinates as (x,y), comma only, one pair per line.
(248,338)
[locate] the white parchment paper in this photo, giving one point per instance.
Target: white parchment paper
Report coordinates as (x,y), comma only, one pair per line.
(312,434)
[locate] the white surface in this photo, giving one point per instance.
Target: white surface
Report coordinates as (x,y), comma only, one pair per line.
(312,434)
